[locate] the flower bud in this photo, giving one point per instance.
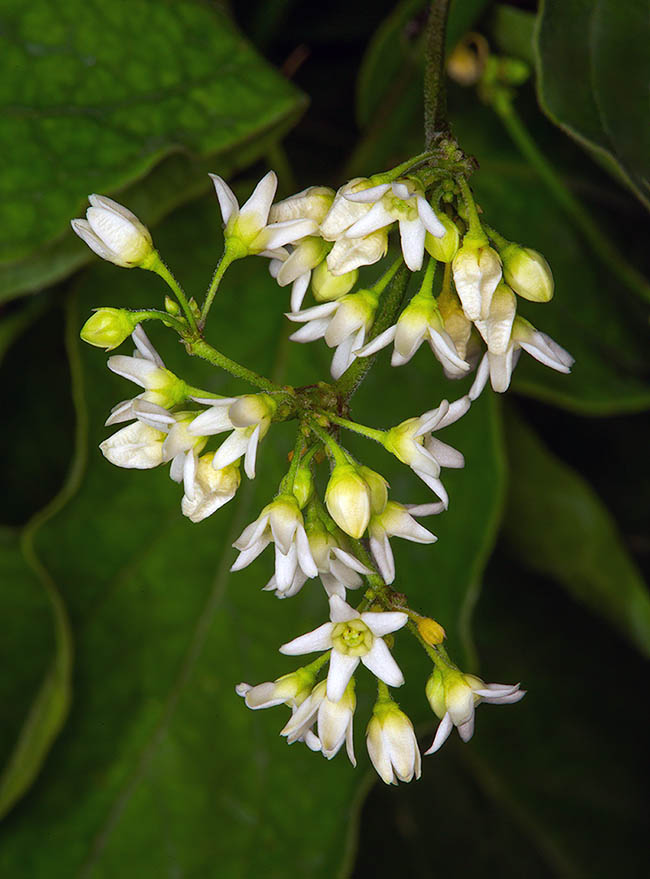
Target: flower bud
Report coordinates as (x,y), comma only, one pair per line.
(466,63)
(303,486)
(114,233)
(477,271)
(392,745)
(252,409)
(108,327)
(348,500)
(527,272)
(378,490)
(312,203)
(171,306)
(443,249)
(431,631)
(326,287)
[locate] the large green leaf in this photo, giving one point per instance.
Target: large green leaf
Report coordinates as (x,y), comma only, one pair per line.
(589,316)
(593,73)
(95,97)
(160,765)
(557,525)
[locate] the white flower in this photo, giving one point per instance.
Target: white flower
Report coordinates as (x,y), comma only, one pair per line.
(353,637)
(247,229)
(342,323)
(137,446)
(402,201)
(496,330)
(209,489)
(477,271)
(249,417)
(392,744)
(334,718)
(453,696)
(423,453)
(114,233)
(397,521)
(295,268)
(499,367)
(145,368)
(343,213)
(279,522)
(420,320)
(291,689)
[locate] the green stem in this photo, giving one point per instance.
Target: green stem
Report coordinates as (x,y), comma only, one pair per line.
(475,227)
(380,285)
(435,93)
(229,255)
(201,349)
(159,267)
(426,290)
(329,442)
(498,239)
(383,693)
(168,319)
(600,244)
(370,432)
(408,165)
(318,663)
(357,371)
(287,481)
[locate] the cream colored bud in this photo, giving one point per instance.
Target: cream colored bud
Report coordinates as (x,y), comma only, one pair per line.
(312,203)
(378,490)
(432,632)
(108,327)
(114,233)
(348,500)
(527,272)
(252,409)
(443,249)
(326,287)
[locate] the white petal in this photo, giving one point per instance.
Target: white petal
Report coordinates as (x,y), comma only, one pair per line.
(381,663)
(341,669)
(378,343)
(285,567)
(279,234)
(298,290)
(383,556)
(466,730)
(435,485)
(214,420)
(412,234)
(319,639)
(350,560)
(249,554)
(261,199)
(482,374)
(384,622)
(428,216)
(305,558)
(144,346)
(376,218)
(136,369)
(367,196)
(315,329)
(455,411)
(251,453)
(442,734)
(227,201)
(230,450)
(444,454)
(316,312)
(341,612)
(343,357)
(425,509)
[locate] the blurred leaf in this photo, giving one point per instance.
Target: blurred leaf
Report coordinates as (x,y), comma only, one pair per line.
(556,524)
(161,766)
(513,32)
(589,317)
(95,97)
(15,322)
(593,67)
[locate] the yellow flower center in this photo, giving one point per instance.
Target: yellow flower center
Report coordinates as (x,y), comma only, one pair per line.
(353,638)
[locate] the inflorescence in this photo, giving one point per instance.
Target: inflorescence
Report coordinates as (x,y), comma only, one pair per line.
(318,240)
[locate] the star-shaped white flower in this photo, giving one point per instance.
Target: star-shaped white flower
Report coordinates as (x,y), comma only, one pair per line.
(353,637)
(412,443)
(397,521)
(401,201)
(334,719)
(247,228)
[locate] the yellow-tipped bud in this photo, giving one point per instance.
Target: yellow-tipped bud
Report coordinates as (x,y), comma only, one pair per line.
(527,272)
(327,287)
(348,500)
(431,631)
(108,327)
(443,249)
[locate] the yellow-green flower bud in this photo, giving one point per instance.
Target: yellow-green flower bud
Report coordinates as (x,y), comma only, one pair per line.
(303,486)
(378,490)
(326,287)
(348,500)
(527,272)
(443,249)
(171,306)
(108,327)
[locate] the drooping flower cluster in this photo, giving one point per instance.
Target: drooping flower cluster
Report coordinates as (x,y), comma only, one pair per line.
(320,239)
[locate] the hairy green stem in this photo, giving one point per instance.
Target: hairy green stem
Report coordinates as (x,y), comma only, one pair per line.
(475,227)
(227,258)
(329,442)
(168,319)
(600,244)
(370,432)
(202,349)
(435,92)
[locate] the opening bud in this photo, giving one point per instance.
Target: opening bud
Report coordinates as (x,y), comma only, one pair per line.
(527,272)
(115,234)
(108,327)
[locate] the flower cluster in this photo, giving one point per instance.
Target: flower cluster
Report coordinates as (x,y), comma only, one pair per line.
(332,519)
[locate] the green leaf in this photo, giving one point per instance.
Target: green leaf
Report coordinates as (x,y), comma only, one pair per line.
(96,98)
(513,31)
(592,76)
(161,766)
(556,524)
(593,320)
